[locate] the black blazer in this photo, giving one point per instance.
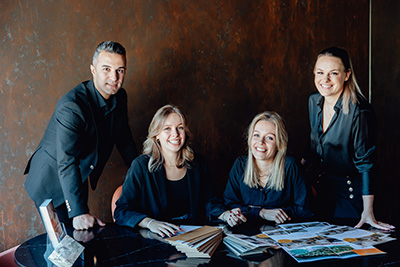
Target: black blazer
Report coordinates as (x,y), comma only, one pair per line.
(144,193)
(69,150)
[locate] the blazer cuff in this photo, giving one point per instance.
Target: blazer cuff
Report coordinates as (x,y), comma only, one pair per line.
(73,212)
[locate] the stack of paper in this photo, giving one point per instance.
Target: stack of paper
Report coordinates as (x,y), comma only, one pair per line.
(201,242)
(243,245)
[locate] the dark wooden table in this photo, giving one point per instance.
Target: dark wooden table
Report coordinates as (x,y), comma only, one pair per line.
(114,245)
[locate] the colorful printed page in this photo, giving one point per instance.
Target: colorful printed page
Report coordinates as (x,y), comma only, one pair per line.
(318,241)
(312,227)
(314,253)
(369,241)
(342,232)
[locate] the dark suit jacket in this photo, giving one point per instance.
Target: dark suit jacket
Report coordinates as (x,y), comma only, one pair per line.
(69,150)
(144,193)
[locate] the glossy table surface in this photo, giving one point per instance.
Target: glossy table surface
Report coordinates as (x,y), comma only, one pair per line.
(114,245)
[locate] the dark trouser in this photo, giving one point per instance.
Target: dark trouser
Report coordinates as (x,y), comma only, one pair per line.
(62,214)
(338,197)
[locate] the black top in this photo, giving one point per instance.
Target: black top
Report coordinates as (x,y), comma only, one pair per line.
(144,193)
(104,124)
(292,199)
(347,147)
(178,197)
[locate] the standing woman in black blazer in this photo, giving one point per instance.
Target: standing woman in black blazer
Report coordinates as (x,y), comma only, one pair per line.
(167,183)
(341,154)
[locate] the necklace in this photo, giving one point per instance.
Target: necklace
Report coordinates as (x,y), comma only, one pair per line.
(266,173)
(171,166)
(263,178)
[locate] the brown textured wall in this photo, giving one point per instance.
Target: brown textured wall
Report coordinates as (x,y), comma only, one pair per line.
(221,62)
(386,100)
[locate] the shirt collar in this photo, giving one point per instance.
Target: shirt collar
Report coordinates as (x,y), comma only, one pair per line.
(338,105)
(104,105)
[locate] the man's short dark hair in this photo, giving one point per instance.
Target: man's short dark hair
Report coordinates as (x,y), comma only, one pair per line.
(109,46)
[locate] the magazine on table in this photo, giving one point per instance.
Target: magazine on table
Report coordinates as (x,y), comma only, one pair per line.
(319,240)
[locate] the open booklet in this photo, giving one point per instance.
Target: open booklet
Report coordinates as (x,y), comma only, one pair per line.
(319,240)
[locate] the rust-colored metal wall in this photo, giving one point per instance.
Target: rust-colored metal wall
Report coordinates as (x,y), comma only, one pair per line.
(386,100)
(221,62)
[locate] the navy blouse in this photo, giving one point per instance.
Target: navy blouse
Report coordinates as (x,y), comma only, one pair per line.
(292,199)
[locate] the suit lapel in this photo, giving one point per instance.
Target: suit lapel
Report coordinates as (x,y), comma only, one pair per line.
(194,188)
(94,113)
(161,186)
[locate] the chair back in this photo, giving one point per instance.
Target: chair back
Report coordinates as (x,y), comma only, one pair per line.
(114,199)
(7,257)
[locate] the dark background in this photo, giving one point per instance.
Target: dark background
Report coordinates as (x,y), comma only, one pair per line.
(221,62)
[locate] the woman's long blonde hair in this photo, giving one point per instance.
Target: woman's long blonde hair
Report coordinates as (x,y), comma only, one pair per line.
(153,148)
(351,89)
(252,172)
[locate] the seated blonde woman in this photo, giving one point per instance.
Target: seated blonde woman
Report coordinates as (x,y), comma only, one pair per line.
(266,183)
(167,184)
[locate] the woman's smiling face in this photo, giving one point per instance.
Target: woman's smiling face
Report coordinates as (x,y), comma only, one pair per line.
(330,76)
(263,141)
(172,135)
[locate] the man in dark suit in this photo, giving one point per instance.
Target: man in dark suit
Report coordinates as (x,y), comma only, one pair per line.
(79,139)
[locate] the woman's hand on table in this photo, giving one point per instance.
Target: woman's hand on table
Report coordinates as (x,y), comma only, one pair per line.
(369,218)
(275,215)
(161,228)
(233,217)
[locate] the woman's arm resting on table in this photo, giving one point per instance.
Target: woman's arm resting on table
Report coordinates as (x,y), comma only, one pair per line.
(367,215)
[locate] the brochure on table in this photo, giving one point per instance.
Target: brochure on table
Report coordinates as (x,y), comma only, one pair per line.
(320,240)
